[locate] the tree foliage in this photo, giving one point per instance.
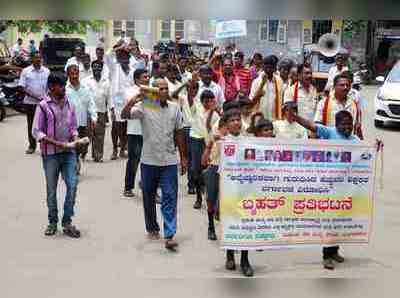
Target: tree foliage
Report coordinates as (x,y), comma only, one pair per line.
(55,27)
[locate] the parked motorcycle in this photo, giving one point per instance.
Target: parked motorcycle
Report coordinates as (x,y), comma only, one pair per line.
(10,97)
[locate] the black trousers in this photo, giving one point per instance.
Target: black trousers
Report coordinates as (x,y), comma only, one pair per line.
(327,252)
(30,115)
(135,144)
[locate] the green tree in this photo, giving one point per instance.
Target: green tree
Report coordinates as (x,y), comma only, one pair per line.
(56,27)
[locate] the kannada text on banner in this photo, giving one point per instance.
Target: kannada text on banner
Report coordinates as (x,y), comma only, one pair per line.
(284,193)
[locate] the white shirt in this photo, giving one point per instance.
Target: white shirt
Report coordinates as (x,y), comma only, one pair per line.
(172,87)
(101,92)
(16,50)
(306,100)
(34,81)
(334,107)
(186,110)
(333,72)
(285,130)
(199,122)
(267,101)
(120,82)
(214,88)
(83,102)
(134,125)
(84,74)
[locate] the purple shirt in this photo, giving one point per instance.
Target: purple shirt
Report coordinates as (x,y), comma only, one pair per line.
(55,122)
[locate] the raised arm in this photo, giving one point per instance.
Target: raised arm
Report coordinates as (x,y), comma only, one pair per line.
(310,125)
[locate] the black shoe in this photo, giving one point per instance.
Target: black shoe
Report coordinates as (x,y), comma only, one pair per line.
(51,230)
(30,151)
(328,264)
(246,269)
(71,231)
(230,264)
(197,204)
(338,258)
(191,191)
(211,234)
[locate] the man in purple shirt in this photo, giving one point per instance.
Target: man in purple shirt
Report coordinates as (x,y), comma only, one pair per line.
(55,127)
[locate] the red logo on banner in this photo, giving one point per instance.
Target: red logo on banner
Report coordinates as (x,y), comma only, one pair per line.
(229,150)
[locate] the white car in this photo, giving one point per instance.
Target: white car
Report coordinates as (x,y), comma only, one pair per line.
(387,99)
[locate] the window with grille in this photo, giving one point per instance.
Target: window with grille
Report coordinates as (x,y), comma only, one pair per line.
(320,28)
(281,35)
(117,28)
(273,30)
(165,29)
(264,30)
(130,29)
(179,29)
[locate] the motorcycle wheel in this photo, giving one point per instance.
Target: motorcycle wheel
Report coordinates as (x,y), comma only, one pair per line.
(2,113)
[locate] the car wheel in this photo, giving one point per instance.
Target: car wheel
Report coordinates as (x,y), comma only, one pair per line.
(378,123)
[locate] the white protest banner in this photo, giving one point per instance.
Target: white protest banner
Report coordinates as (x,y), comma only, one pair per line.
(233,28)
(295,192)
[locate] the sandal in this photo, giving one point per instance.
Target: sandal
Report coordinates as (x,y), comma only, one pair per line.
(71,231)
(171,244)
(51,230)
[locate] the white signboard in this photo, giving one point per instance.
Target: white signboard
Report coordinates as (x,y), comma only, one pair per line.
(233,28)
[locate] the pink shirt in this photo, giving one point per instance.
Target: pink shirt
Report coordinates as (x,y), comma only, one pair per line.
(55,122)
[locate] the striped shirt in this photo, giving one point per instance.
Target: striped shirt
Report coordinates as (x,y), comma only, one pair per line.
(55,122)
(244,78)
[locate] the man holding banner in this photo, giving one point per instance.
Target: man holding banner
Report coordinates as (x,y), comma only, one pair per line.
(292,201)
(343,130)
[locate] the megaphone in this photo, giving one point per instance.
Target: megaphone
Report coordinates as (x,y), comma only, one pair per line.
(328,45)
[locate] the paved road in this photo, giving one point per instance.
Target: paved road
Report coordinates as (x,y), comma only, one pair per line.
(113,253)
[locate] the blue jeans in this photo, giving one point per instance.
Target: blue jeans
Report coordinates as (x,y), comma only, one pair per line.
(135,143)
(167,178)
(64,163)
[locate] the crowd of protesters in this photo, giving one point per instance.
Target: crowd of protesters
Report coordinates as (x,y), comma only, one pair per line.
(199,102)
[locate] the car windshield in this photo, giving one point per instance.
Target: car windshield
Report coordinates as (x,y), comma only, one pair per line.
(394,75)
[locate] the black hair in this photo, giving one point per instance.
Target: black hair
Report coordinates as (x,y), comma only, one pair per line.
(138,72)
(339,77)
(34,53)
(252,127)
(244,101)
(172,68)
(222,121)
(228,115)
(56,79)
(339,116)
(205,68)
(206,94)
(239,54)
(301,67)
(348,74)
(228,105)
(263,123)
(270,60)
